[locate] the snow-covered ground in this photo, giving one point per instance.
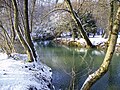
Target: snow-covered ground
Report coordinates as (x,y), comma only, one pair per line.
(95,40)
(16,74)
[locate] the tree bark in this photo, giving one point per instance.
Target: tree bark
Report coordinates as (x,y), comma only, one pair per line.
(27,29)
(79,24)
(9,44)
(32,12)
(13,34)
(20,36)
(113,10)
(108,57)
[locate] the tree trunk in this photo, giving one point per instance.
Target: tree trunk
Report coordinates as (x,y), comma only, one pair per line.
(113,10)
(32,12)
(79,24)
(27,29)
(9,44)
(108,57)
(13,34)
(20,36)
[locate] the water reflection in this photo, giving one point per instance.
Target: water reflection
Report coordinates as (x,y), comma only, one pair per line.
(71,67)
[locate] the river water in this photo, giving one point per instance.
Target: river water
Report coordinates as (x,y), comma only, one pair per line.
(71,66)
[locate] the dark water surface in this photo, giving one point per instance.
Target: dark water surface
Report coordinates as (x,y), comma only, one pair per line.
(71,66)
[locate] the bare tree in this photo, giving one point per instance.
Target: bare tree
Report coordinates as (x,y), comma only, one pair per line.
(6,33)
(75,17)
(92,78)
(27,29)
(23,41)
(113,6)
(32,14)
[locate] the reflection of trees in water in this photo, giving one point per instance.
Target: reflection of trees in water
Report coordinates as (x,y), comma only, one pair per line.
(113,75)
(85,67)
(73,65)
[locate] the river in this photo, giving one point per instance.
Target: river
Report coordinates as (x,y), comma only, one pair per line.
(71,66)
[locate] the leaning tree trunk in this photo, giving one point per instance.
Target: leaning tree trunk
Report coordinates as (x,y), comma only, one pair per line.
(79,24)
(111,19)
(27,29)
(108,57)
(9,47)
(20,36)
(13,34)
(113,11)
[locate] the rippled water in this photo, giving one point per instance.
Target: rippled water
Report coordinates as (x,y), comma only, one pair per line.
(71,66)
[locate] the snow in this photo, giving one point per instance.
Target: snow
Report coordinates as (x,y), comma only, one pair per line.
(17,74)
(94,40)
(95,52)
(97,40)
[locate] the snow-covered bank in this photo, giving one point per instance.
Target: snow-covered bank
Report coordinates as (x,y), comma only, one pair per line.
(97,40)
(16,74)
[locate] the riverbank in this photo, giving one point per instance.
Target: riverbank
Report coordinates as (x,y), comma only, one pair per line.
(98,41)
(17,74)
(80,42)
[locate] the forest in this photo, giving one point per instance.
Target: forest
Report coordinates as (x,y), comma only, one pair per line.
(59,44)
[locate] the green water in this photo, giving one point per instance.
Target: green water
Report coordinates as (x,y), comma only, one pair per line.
(71,66)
